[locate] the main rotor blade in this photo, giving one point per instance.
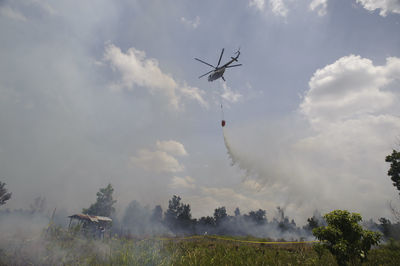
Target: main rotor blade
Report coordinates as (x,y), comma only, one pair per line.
(220,57)
(234,65)
(205,63)
(206,74)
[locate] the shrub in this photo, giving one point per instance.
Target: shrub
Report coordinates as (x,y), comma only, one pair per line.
(345,238)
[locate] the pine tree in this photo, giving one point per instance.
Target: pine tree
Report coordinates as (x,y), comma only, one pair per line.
(104,203)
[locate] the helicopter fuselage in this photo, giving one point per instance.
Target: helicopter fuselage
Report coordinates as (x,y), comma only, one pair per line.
(216,74)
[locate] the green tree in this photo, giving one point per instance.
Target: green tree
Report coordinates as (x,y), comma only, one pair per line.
(4,194)
(178,216)
(394,170)
(259,217)
(312,223)
(345,238)
(384,226)
(315,221)
(220,215)
(207,221)
(104,203)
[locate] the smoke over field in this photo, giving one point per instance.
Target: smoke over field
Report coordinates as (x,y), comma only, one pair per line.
(286,163)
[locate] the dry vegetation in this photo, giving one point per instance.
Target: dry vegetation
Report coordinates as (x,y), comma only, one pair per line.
(59,247)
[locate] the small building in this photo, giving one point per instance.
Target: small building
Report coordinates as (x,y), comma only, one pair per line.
(91,224)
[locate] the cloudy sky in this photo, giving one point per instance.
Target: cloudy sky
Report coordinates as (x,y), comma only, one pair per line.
(99,92)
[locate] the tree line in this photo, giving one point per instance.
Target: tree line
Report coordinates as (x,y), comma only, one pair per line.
(177,218)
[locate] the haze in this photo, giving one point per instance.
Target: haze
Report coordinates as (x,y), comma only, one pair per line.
(99,92)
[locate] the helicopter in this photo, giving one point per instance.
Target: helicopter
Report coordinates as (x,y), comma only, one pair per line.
(218,71)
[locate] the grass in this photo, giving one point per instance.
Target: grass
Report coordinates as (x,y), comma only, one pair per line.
(59,247)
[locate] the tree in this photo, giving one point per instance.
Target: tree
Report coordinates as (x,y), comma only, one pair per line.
(315,221)
(171,214)
(237,212)
(104,203)
(177,210)
(258,217)
(220,215)
(282,221)
(38,205)
(4,195)
(312,223)
(384,226)
(207,221)
(178,215)
(136,216)
(345,238)
(157,214)
(394,171)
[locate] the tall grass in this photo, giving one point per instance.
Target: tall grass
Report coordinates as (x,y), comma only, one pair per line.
(59,247)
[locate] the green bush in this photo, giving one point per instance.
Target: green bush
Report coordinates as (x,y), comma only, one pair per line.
(345,238)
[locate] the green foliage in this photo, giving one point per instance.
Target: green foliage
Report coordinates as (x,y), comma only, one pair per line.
(319,249)
(394,171)
(4,195)
(259,217)
(104,203)
(178,215)
(312,223)
(388,254)
(220,215)
(393,245)
(385,225)
(315,221)
(389,229)
(207,221)
(345,238)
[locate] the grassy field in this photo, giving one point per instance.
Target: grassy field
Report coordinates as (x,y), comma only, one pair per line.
(64,248)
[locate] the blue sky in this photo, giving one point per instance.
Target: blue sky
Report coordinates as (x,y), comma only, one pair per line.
(100,91)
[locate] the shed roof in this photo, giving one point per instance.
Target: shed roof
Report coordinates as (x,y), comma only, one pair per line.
(91,218)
